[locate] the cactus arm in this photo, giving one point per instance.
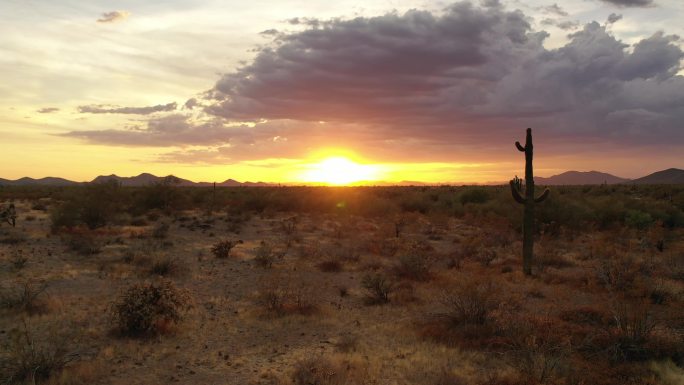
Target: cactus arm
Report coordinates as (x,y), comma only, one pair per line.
(543,196)
(516,194)
(520,147)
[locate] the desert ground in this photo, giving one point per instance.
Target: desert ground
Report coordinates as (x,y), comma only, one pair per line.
(357,285)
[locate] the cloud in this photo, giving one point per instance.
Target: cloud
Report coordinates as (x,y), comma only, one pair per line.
(100,109)
(170,130)
(564,25)
(631,3)
(47,110)
(113,16)
(555,9)
(458,85)
(613,18)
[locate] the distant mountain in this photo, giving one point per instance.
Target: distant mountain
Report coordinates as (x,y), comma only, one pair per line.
(145,179)
(580,178)
(669,176)
(48,181)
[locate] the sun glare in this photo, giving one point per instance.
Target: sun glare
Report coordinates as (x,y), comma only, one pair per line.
(339,171)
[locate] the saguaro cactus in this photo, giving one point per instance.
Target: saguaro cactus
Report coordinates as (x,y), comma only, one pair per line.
(529,201)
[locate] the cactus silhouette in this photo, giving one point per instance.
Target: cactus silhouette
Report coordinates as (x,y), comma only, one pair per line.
(528,200)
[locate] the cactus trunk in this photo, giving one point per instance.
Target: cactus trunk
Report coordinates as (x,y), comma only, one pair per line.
(528,201)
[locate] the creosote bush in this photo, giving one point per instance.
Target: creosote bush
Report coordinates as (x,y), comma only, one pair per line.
(24,297)
(149,308)
(471,302)
(378,288)
(222,249)
(29,359)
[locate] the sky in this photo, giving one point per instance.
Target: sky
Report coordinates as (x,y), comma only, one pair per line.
(291,91)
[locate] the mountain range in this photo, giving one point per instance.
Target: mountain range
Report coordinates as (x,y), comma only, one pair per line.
(143,179)
(669,176)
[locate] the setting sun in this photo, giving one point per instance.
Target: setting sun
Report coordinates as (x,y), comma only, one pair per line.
(339,171)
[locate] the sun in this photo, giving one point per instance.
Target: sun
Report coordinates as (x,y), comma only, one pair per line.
(338,171)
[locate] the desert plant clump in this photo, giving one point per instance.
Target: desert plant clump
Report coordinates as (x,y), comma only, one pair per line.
(282,295)
(18,260)
(413,266)
(83,243)
(24,297)
(222,249)
(161,230)
(164,266)
(266,254)
(149,308)
(378,288)
(27,359)
(471,303)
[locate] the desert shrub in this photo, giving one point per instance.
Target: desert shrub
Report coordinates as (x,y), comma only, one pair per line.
(330,266)
(280,295)
(329,371)
(486,256)
(536,352)
(163,195)
(222,249)
(24,297)
(29,359)
(474,195)
(471,302)
(18,260)
(149,308)
(83,243)
(164,266)
(585,315)
(638,219)
(266,254)
(12,237)
(65,215)
(413,266)
(378,288)
(161,230)
(617,273)
(632,332)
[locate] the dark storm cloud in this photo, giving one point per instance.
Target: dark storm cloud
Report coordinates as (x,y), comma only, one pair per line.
(99,109)
(630,3)
(113,16)
(406,85)
(613,18)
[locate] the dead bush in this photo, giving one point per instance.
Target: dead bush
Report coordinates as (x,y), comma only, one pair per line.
(266,254)
(149,308)
(471,302)
(83,243)
(538,347)
(280,296)
(632,332)
(161,230)
(12,236)
(378,288)
(222,249)
(330,266)
(413,266)
(164,266)
(617,273)
(28,358)
(328,371)
(24,297)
